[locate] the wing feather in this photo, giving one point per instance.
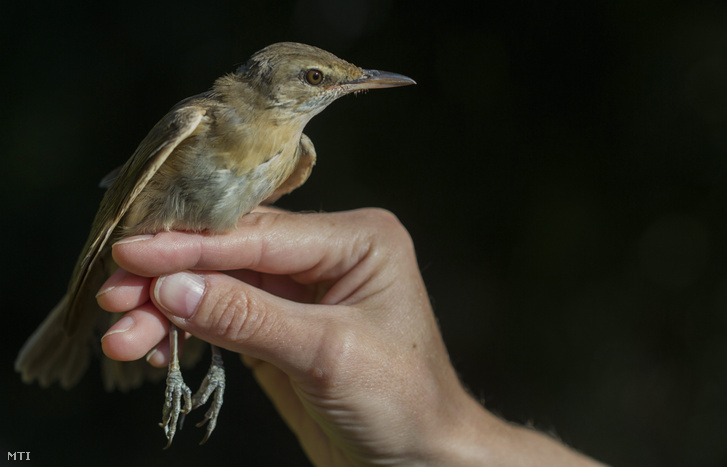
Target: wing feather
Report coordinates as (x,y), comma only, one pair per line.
(162,140)
(306,155)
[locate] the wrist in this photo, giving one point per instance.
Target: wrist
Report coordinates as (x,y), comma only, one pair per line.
(456,431)
(473,436)
(470,437)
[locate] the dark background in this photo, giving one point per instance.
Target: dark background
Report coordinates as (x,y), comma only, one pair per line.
(560,166)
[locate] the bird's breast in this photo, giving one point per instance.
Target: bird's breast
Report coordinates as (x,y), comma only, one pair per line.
(201,188)
(239,193)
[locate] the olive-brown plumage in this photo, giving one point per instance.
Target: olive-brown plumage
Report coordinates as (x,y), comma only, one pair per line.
(212,159)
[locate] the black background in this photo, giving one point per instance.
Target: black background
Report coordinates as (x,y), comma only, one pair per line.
(561,168)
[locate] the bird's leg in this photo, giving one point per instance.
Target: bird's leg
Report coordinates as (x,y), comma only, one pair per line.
(214,382)
(176,390)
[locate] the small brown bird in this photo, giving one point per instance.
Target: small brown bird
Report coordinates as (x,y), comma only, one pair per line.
(211,160)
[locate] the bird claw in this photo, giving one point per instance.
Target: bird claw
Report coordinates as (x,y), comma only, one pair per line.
(175,392)
(214,382)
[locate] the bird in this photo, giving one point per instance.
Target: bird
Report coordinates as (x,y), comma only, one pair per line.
(210,160)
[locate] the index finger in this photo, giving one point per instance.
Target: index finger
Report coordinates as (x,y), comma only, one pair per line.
(311,247)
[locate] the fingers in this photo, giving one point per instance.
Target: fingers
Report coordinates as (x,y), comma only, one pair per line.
(214,307)
(281,286)
(137,332)
(309,247)
(123,291)
(278,263)
(231,314)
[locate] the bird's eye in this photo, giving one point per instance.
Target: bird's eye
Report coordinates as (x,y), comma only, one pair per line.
(314,77)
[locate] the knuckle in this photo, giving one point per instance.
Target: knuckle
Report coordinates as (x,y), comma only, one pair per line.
(337,354)
(233,314)
(387,231)
(380,217)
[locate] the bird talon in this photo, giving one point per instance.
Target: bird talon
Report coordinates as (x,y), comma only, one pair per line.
(173,412)
(173,409)
(213,383)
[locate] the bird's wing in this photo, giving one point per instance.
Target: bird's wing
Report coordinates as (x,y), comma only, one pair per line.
(306,161)
(161,141)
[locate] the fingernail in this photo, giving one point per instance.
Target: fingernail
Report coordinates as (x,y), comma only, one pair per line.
(135,238)
(122,325)
(151,355)
(113,280)
(180,293)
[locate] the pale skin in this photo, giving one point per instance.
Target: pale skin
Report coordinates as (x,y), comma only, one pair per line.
(331,314)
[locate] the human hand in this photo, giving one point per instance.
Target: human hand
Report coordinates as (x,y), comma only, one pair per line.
(332,316)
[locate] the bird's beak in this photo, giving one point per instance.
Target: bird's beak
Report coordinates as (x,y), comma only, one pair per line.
(375,79)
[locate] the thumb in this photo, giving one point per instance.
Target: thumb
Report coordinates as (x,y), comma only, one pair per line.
(231,314)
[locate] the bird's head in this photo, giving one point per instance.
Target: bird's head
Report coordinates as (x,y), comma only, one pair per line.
(302,80)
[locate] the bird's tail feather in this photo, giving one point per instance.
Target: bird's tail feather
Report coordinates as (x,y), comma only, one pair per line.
(51,355)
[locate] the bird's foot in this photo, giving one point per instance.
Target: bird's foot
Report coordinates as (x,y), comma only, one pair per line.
(176,391)
(214,382)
